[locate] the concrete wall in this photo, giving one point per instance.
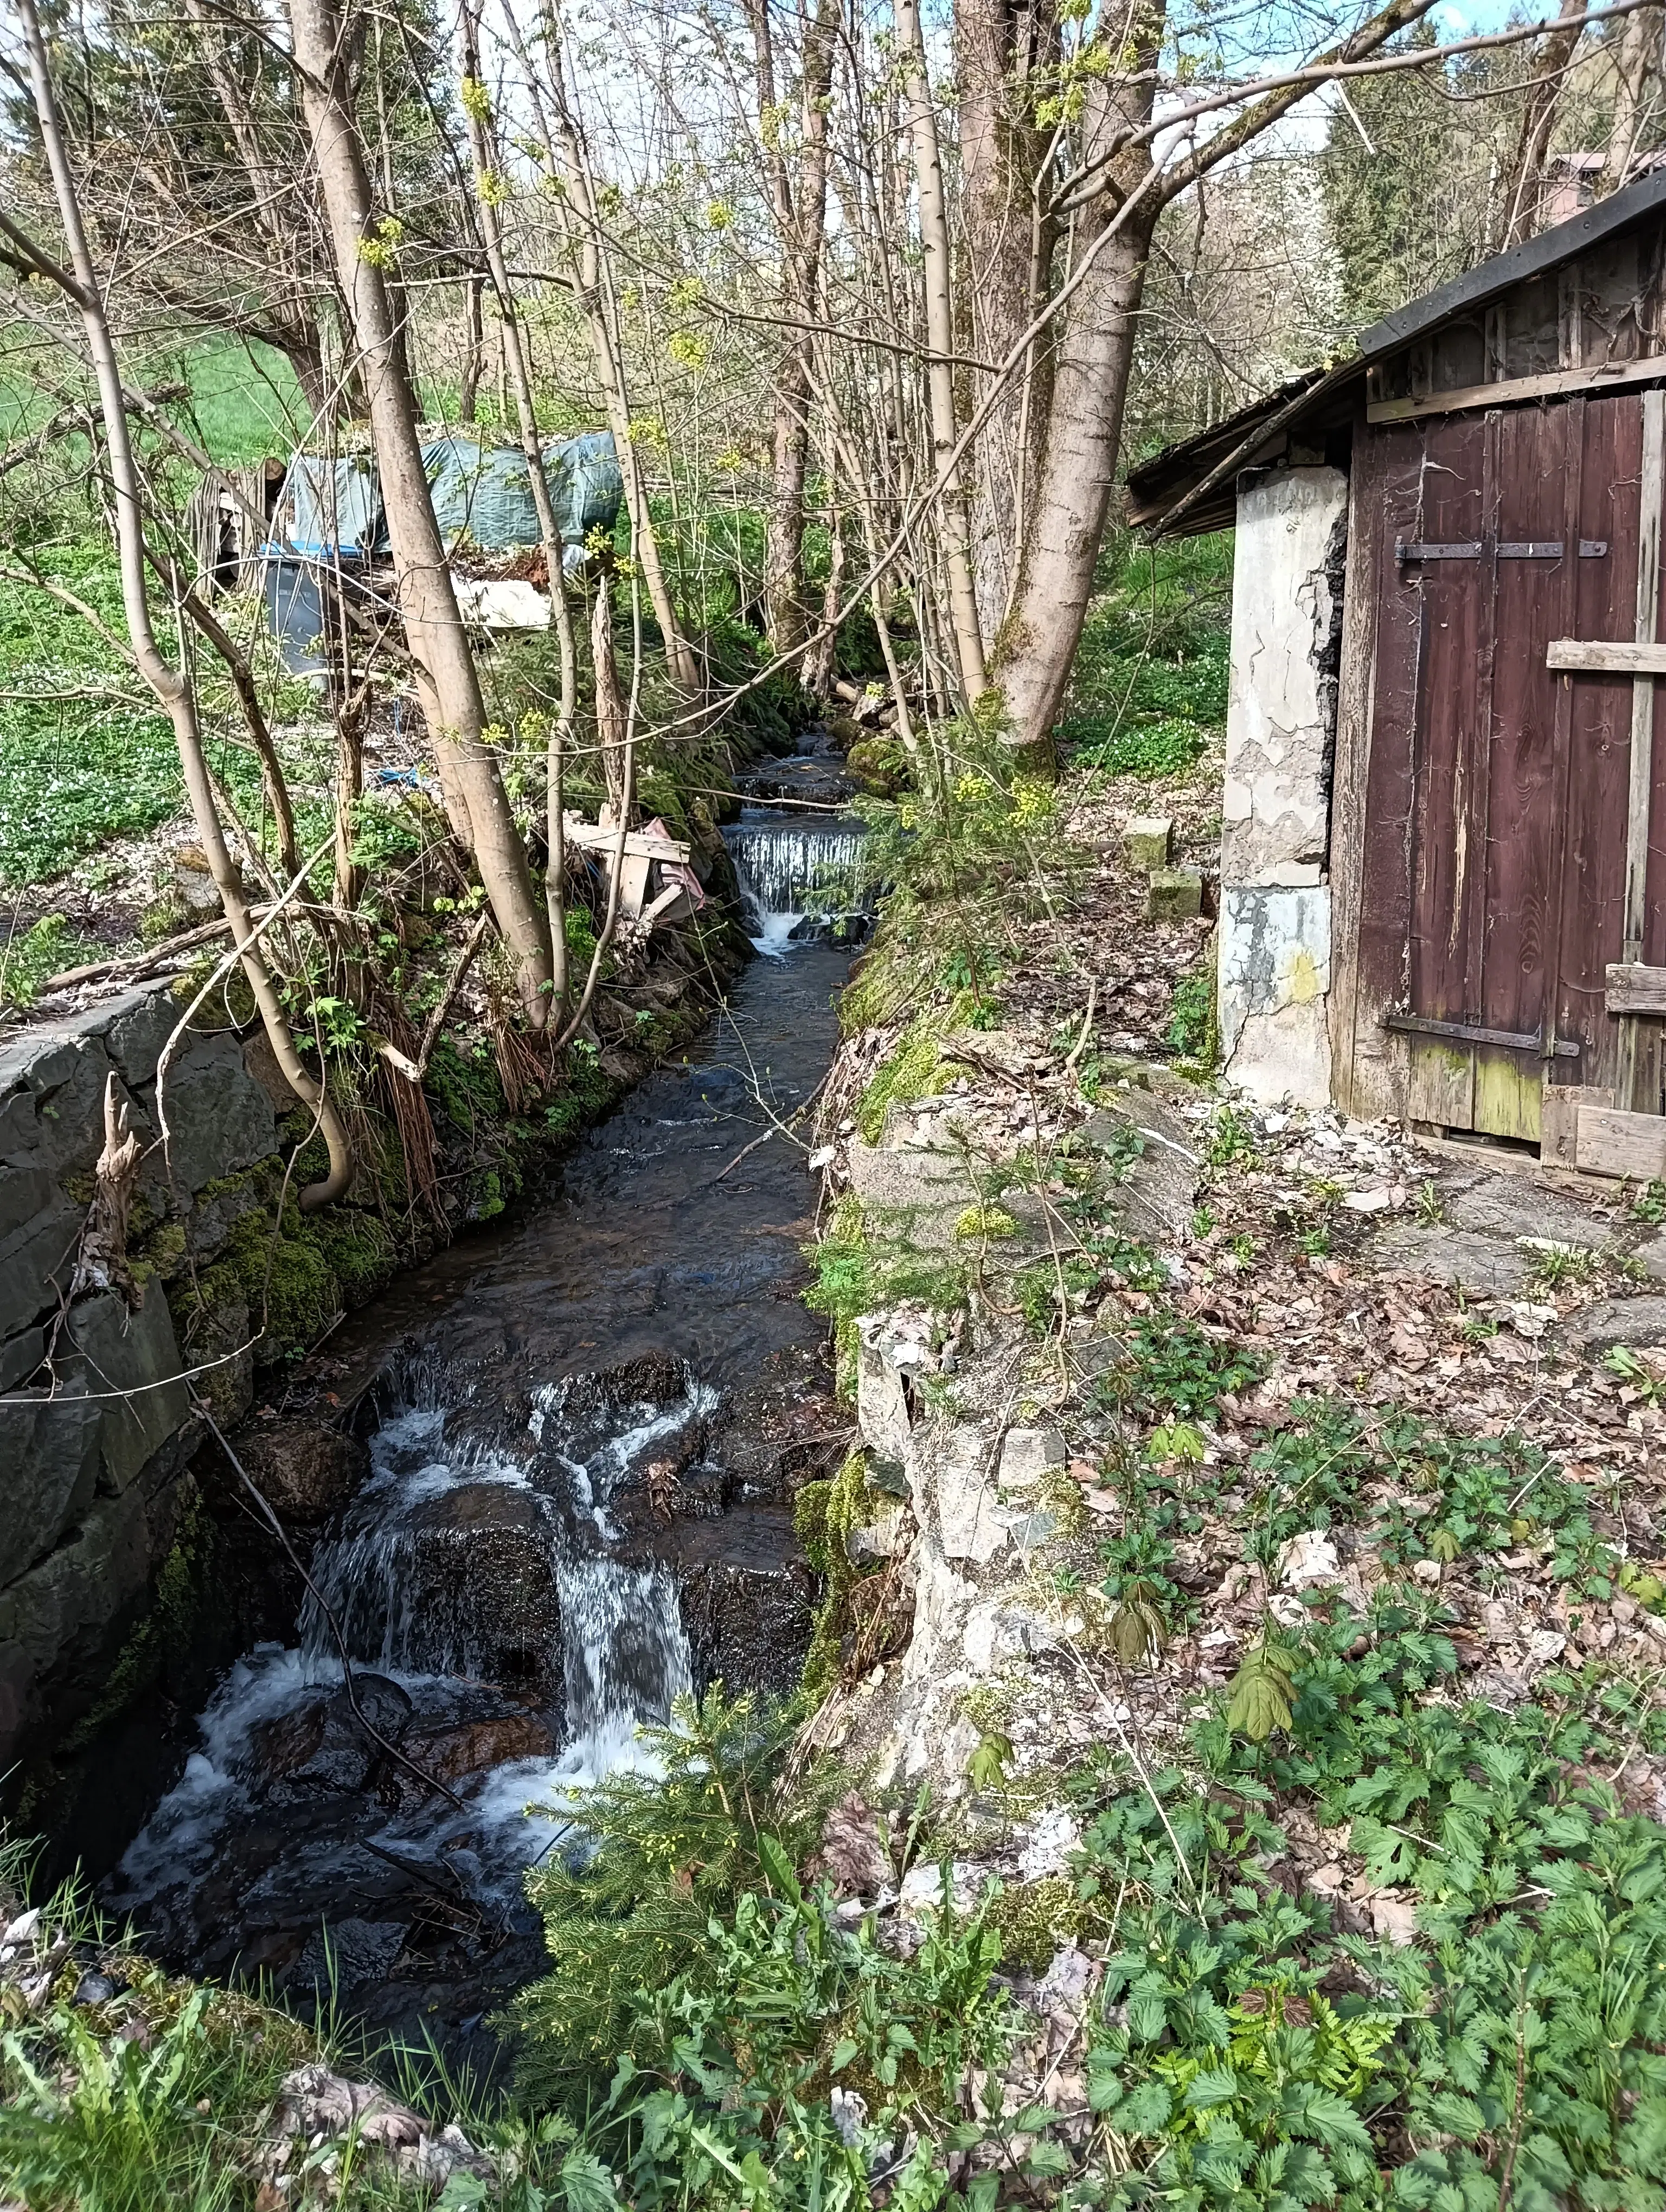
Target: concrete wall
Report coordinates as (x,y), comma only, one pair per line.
(1274,937)
(96,1424)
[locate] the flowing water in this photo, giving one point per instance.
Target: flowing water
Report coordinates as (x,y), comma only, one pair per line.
(795,875)
(583,1435)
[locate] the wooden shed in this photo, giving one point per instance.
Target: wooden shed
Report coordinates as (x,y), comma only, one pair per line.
(1444,849)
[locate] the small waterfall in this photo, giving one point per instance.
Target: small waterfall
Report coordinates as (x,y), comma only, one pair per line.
(457,1567)
(397,1577)
(792,872)
(627,1655)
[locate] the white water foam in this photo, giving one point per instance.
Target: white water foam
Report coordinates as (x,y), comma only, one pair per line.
(626,1659)
(780,867)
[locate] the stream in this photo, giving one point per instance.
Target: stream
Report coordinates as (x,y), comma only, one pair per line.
(584,1433)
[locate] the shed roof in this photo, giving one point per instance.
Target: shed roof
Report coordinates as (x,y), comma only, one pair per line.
(1188,486)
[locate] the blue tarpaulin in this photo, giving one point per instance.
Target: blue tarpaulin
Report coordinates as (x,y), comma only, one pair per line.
(332,508)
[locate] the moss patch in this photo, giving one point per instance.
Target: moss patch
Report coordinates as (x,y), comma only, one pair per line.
(824,1515)
(914,1070)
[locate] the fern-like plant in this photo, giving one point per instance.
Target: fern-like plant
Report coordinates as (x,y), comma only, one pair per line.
(658,1854)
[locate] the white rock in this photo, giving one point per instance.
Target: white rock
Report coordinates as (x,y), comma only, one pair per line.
(1426,1571)
(1308,1558)
(1027,1454)
(965,1494)
(1368,1202)
(823,1157)
(1052,1839)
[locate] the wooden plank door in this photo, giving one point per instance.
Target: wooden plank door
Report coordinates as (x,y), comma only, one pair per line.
(1494,848)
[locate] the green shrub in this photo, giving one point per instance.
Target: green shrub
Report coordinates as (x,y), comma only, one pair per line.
(28,958)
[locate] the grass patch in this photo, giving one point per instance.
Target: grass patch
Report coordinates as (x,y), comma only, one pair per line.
(1148,696)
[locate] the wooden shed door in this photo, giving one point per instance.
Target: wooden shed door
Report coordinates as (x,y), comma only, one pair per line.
(1497,803)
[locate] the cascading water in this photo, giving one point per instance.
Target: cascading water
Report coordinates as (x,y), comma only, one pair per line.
(794,874)
(578,1508)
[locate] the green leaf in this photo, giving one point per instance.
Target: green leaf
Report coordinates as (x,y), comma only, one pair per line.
(1260,1697)
(778,1868)
(462,2188)
(1145,2111)
(843,2051)
(988,1766)
(1216,2084)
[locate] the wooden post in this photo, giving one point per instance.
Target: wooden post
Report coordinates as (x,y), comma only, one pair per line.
(1640,1055)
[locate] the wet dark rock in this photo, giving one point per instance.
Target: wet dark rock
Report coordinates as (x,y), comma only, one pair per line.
(305,1469)
(324,1747)
(94,1988)
(342,1956)
(449,1753)
(748,1599)
(467,1586)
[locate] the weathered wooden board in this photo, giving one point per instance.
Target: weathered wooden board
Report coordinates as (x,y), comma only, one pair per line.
(1559,1119)
(1636,989)
(1605,656)
(1499,800)
(637,844)
(1441,1086)
(1614,1143)
(1615,378)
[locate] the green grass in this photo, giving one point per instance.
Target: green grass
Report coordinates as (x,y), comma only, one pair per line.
(1149,692)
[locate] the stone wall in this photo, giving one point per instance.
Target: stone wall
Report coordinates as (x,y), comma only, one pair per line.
(96,1420)
(1274,941)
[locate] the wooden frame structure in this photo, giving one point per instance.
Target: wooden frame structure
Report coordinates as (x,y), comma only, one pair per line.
(1444,871)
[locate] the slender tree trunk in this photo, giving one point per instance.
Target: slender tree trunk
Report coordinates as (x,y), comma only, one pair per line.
(449,682)
(474,350)
(968,632)
(612,715)
(173,691)
(1010,245)
(484,147)
(1551,57)
(801,226)
(1638,60)
(577,213)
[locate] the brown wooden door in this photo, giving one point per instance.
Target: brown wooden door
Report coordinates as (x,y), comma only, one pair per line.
(1496,807)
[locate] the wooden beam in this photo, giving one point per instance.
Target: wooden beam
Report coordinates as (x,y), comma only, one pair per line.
(1619,376)
(636,845)
(1643,690)
(1560,1109)
(1634,988)
(1605,656)
(1610,1142)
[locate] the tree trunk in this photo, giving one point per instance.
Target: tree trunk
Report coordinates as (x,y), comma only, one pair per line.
(576,212)
(447,681)
(474,350)
(1551,57)
(173,691)
(1067,515)
(801,226)
(1640,55)
(484,147)
(1010,246)
(612,715)
(939,340)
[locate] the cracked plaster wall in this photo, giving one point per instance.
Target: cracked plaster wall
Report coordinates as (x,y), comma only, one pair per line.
(1274,936)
